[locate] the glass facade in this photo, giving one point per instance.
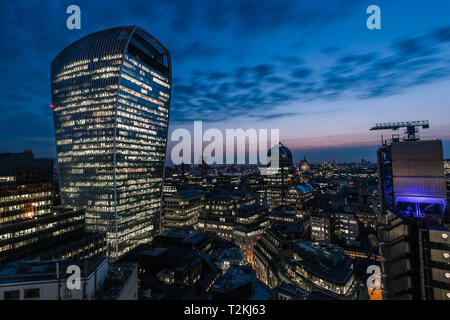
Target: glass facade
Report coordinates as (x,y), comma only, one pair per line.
(280,178)
(111,101)
(25,187)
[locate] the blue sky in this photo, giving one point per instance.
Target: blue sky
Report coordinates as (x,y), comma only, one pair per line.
(309,68)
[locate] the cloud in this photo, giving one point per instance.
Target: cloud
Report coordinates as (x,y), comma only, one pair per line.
(217,75)
(262,70)
(364,75)
(301,73)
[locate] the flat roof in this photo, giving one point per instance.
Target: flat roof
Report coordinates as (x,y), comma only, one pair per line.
(36,271)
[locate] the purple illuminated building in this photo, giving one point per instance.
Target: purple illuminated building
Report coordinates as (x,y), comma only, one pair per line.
(412,178)
(414,242)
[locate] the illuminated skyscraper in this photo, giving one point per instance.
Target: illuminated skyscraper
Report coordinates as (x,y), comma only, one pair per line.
(111,100)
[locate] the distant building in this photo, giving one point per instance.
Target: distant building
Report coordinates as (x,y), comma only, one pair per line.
(169,189)
(346,226)
(120,283)
(289,291)
(367,219)
(298,195)
(304,165)
(182,209)
(280,179)
(172,265)
(255,184)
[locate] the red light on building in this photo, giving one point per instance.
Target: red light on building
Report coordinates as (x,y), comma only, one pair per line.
(52,106)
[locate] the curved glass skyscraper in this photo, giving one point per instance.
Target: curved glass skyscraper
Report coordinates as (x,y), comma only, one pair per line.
(111,101)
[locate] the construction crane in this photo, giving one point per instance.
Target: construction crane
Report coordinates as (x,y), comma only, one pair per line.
(412,127)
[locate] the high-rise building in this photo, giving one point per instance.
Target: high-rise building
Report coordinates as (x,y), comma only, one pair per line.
(25,187)
(111,100)
(414,243)
(279,179)
(29,223)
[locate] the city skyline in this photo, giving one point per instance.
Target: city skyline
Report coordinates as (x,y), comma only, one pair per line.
(296,70)
(220,151)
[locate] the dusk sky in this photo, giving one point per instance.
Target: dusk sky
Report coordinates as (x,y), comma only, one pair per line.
(309,68)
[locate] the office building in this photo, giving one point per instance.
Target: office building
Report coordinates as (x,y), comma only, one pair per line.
(321,268)
(414,242)
(279,180)
(26,190)
(29,223)
(251,221)
(25,239)
(322,226)
(346,227)
(219,216)
(276,242)
(284,214)
(298,195)
(182,209)
(111,99)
